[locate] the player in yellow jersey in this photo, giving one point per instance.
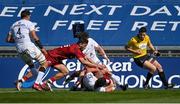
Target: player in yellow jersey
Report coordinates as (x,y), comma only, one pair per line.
(138,45)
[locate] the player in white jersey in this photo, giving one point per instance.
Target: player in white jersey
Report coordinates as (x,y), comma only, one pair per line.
(20,33)
(97,83)
(90,53)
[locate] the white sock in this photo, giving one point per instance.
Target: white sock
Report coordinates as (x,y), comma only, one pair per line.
(39,77)
(116,79)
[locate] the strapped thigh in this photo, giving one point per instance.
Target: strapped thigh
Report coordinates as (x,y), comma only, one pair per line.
(26,57)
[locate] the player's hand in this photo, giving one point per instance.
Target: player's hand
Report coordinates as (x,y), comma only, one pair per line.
(44,51)
(156,53)
(138,52)
(101,66)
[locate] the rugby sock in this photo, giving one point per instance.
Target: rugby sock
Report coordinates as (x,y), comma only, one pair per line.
(39,77)
(116,79)
(163,78)
(148,77)
(52,79)
(24,78)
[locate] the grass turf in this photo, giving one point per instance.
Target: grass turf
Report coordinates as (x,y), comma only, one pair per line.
(66,96)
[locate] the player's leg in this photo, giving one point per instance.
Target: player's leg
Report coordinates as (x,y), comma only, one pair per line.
(144,62)
(116,78)
(33,71)
(72,76)
(151,69)
(37,54)
(162,75)
(63,71)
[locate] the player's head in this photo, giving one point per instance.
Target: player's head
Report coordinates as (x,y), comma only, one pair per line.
(100,82)
(25,14)
(142,33)
(77,28)
(83,35)
(82,43)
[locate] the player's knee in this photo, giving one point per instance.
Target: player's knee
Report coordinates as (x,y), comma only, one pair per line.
(153,70)
(65,72)
(160,69)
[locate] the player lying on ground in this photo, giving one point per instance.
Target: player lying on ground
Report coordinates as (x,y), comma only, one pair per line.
(91,79)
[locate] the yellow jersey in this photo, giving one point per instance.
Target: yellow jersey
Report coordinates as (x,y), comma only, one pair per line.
(136,44)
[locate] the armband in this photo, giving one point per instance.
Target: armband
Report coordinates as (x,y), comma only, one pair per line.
(38,43)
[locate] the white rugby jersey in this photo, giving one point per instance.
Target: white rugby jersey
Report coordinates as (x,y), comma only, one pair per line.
(89,80)
(20,31)
(90,51)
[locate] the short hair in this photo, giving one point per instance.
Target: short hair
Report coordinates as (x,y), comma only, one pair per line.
(25,13)
(142,29)
(100,82)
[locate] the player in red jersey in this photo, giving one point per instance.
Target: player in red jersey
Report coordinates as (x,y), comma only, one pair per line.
(54,58)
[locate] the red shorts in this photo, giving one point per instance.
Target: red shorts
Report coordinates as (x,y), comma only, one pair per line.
(52,61)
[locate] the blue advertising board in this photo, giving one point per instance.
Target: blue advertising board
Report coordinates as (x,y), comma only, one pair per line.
(114,20)
(14,68)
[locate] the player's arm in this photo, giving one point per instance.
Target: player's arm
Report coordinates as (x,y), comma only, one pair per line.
(102,52)
(150,45)
(9,37)
(37,41)
(155,52)
(90,60)
(110,87)
(89,64)
(130,49)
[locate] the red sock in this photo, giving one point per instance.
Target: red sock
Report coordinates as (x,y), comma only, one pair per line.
(52,79)
(24,78)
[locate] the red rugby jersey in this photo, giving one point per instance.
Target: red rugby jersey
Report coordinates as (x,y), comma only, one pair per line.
(66,52)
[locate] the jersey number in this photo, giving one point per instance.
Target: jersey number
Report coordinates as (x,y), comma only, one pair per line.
(19,31)
(19,35)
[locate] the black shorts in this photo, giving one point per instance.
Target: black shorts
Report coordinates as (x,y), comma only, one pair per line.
(140,61)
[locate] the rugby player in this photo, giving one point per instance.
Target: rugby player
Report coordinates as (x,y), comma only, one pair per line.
(20,33)
(90,52)
(54,58)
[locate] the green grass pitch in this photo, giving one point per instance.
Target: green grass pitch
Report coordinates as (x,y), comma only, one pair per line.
(66,96)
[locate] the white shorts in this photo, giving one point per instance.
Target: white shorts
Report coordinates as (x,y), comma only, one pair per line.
(32,53)
(89,80)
